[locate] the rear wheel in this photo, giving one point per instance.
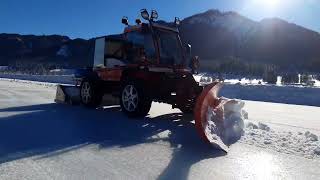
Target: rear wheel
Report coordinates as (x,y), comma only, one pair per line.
(133,100)
(90,94)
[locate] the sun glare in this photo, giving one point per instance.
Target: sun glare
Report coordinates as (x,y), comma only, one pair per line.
(272,3)
(269,4)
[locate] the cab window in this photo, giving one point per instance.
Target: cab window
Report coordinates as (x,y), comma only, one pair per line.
(141,44)
(114,49)
(170,48)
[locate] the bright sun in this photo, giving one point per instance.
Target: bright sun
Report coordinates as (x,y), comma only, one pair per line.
(272,3)
(265,8)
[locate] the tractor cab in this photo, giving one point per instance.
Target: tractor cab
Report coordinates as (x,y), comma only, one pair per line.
(160,45)
(151,44)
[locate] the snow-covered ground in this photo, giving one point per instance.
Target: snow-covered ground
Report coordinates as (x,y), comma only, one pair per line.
(63,79)
(236,125)
(317,83)
(251,90)
(271,93)
(245,81)
(247,89)
(43,140)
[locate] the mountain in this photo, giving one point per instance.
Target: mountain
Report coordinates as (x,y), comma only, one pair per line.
(214,35)
(50,50)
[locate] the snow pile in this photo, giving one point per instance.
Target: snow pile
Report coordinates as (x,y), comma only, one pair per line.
(234,116)
(303,144)
(225,123)
(228,123)
(245,81)
(317,83)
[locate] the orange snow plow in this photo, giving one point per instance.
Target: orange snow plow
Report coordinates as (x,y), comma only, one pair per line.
(218,120)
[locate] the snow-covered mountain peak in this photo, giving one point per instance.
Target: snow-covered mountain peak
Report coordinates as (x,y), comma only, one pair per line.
(231,21)
(211,15)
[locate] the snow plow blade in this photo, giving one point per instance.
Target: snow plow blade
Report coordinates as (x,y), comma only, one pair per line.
(219,120)
(208,102)
(67,94)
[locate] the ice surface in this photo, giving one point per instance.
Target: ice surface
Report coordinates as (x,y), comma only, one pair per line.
(176,153)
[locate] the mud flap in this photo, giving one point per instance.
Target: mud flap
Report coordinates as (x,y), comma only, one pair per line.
(67,94)
(208,107)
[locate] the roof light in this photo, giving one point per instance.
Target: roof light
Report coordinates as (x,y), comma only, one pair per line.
(145,14)
(177,21)
(138,21)
(125,20)
(154,14)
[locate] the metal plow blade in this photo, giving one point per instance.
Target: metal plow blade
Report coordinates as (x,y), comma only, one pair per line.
(219,121)
(67,94)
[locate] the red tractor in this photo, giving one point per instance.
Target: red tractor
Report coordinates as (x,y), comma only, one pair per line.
(146,63)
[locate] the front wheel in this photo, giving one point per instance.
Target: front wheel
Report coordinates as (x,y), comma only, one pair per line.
(133,100)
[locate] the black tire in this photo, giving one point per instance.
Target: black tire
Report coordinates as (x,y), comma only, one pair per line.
(131,106)
(91,97)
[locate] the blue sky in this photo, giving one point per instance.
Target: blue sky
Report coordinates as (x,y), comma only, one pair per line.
(91,18)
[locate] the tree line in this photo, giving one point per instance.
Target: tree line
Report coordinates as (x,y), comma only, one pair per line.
(237,67)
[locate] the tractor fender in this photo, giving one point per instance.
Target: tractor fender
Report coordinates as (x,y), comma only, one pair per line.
(92,76)
(136,74)
(140,76)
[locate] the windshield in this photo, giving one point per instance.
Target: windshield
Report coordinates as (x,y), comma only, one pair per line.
(170,48)
(144,43)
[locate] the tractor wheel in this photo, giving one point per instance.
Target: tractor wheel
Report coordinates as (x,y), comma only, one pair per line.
(90,94)
(133,100)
